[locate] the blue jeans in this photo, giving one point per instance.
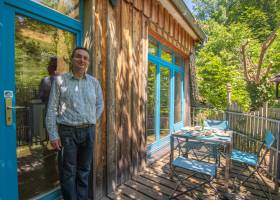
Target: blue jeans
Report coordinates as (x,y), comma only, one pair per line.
(74,161)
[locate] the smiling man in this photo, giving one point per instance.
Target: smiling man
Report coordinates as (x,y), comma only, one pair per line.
(75,103)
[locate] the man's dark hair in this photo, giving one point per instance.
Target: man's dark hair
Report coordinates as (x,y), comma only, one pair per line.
(79,48)
(52,66)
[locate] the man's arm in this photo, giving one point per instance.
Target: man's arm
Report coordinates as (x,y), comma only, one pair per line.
(52,111)
(99,100)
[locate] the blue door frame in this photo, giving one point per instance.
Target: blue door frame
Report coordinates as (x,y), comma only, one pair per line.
(159,63)
(8,11)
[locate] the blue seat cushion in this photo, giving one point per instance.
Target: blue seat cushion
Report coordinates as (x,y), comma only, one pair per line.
(244,157)
(194,165)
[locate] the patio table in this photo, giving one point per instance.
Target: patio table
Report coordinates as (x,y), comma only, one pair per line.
(218,138)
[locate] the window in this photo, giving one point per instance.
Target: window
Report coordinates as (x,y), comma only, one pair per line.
(164,109)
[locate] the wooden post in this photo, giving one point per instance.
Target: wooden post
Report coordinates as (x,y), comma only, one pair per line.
(228,100)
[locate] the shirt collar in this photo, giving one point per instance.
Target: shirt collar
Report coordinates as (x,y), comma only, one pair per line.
(73,77)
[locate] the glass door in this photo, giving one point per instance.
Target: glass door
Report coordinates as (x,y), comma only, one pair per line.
(41,53)
(34,50)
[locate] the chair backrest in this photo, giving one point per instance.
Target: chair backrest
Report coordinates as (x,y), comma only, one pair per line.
(218,124)
(269,139)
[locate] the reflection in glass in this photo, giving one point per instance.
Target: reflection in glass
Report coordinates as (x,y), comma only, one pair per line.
(35,44)
(151,104)
(179,61)
(152,47)
(178,98)
(166,54)
(67,7)
(164,101)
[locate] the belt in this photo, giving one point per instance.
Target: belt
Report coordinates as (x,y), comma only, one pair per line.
(77,126)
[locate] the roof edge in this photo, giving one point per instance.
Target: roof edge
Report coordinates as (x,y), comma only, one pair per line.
(187,14)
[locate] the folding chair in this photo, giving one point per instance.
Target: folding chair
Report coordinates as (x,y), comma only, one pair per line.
(255,160)
(218,125)
(200,150)
(207,170)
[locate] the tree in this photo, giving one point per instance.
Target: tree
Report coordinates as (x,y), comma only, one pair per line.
(256,72)
(218,64)
(228,24)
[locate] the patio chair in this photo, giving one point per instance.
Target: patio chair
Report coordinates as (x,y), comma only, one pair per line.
(200,150)
(207,170)
(255,161)
(203,150)
(220,125)
(216,124)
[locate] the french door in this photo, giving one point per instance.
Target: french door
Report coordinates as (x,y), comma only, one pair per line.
(32,38)
(165,95)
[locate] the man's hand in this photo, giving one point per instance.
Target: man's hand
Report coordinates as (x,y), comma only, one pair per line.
(56,144)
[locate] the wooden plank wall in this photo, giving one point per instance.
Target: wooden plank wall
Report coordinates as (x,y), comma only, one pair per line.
(118,40)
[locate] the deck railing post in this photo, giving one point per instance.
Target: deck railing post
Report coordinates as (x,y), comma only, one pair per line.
(276,187)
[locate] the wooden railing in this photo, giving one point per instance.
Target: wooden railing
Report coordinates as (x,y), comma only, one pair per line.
(248,131)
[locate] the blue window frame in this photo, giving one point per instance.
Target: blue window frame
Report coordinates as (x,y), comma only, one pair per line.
(165,94)
(9,9)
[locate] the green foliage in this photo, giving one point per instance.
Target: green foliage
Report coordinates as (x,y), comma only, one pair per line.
(228,25)
(218,64)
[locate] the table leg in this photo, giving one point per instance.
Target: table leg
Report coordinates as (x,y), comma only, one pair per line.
(227,167)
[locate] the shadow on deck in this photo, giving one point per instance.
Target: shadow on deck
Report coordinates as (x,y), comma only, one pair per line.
(154,183)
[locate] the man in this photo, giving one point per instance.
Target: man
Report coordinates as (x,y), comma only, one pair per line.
(46,83)
(75,103)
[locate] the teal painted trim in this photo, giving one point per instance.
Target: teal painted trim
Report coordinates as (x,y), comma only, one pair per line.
(54,194)
(8,164)
(164,63)
(157,103)
(37,11)
(172,100)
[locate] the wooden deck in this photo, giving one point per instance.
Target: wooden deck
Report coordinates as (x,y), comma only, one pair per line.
(155,184)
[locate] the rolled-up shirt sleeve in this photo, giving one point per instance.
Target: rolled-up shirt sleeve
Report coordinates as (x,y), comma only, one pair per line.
(99,100)
(52,111)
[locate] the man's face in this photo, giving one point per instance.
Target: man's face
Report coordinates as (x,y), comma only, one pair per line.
(80,61)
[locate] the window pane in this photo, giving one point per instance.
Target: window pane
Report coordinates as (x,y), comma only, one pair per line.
(66,7)
(151,104)
(37,47)
(164,101)
(178,98)
(166,55)
(179,60)
(153,47)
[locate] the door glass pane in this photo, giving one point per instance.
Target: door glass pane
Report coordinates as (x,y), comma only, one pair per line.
(178,98)
(166,54)
(164,101)
(151,104)
(153,47)
(37,46)
(66,7)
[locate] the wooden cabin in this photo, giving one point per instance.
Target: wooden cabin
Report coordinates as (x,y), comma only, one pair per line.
(142,51)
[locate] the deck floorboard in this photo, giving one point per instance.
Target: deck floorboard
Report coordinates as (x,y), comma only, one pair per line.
(155,183)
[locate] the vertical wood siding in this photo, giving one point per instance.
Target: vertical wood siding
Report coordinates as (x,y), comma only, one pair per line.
(118,40)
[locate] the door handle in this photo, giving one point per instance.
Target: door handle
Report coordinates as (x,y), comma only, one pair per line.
(9,113)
